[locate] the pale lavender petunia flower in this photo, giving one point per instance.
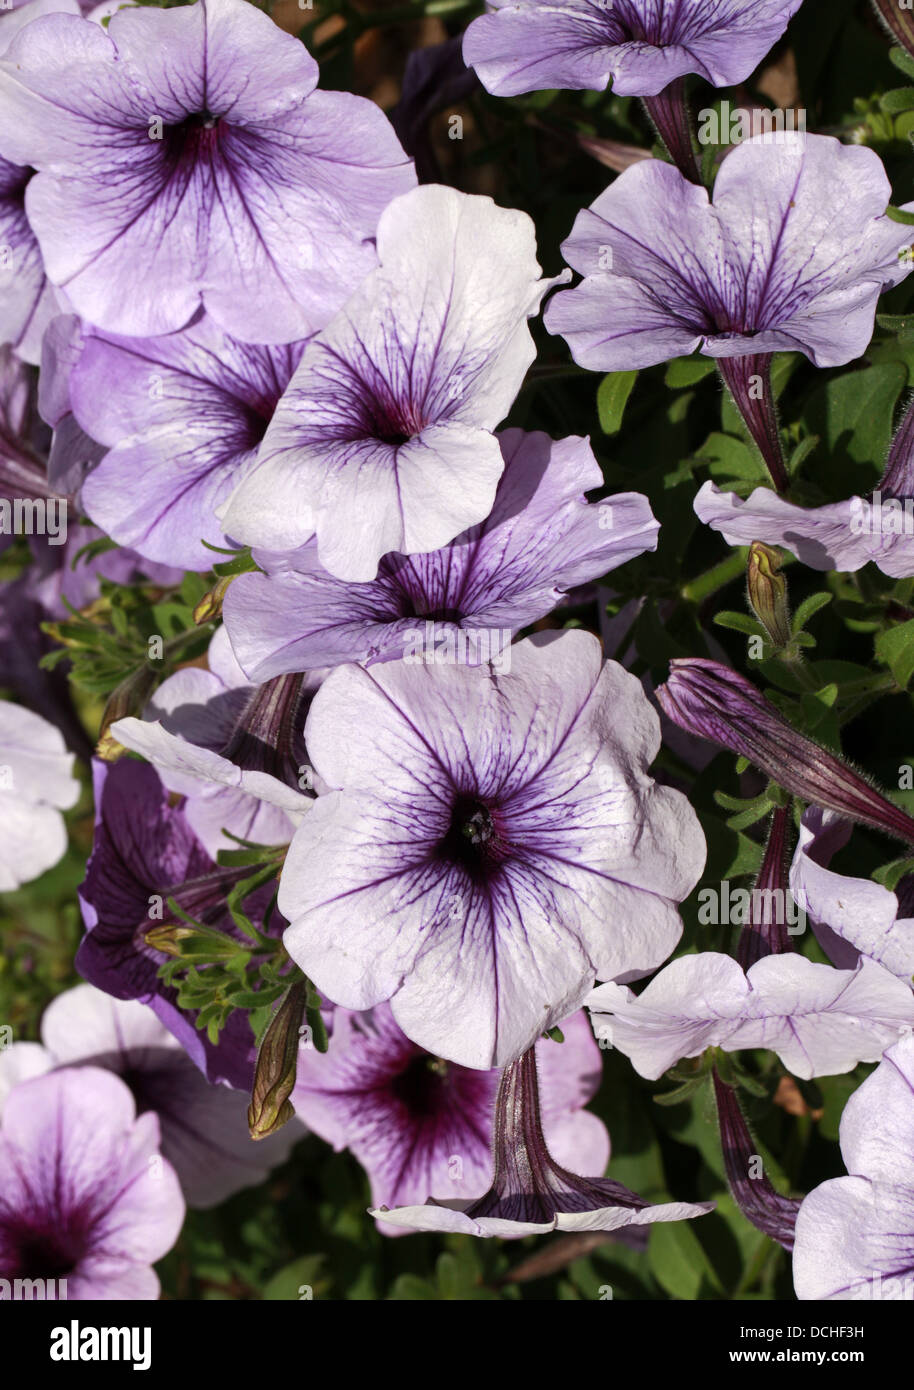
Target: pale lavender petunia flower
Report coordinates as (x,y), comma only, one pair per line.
(820,1021)
(235,750)
(639,45)
(791,255)
(485,844)
(36,785)
(531,1192)
(85,1196)
(182,417)
(418,1124)
(847,535)
(27,301)
(384,439)
(855,1235)
(204,1127)
(540,539)
(851,917)
(184,156)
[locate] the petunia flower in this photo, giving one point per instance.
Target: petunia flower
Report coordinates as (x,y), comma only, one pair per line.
(418,1124)
(384,439)
(36,785)
(540,539)
(851,917)
(711,701)
(855,1235)
(485,844)
(144,852)
(791,255)
(531,1192)
(235,750)
(182,417)
(185,157)
(639,45)
(644,47)
(820,1021)
(877,529)
(204,1128)
(27,301)
(85,1196)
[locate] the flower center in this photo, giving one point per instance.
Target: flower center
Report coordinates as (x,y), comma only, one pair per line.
(422,1086)
(198,134)
(473,840)
(51,1252)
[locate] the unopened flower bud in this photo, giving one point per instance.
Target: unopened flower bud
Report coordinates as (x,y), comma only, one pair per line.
(768,593)
(129,698)
(277,1061)
(711,701)
(209,609)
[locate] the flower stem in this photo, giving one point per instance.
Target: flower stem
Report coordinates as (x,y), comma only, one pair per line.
(748,379)
(669,113)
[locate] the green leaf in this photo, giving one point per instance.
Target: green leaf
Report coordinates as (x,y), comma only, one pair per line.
(897,100)
(292,1282)
(898,215)
(895,649)
(612,398)
(808,608)
(902,60)
(686,371)
(678,1262)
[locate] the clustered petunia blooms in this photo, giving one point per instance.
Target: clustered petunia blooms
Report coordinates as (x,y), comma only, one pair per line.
(365,859)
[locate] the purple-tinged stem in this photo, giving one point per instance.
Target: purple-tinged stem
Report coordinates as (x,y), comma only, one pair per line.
(898,478)
(765,933)
(768,1211)
(669,112)
(263,738)
(899,22)
(748,379)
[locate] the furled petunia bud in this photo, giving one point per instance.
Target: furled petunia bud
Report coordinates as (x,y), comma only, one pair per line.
(713,702)
(768,593)
(129,698)
(274,1076)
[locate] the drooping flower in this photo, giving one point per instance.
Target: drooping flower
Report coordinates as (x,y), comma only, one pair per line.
(182,417)
(855,1235)
(851,917)
(185,157)
(531,1193)
(418,1124)
(847,535)
(36,785)
(540,539)
(85,1196)
(235,750)
(204,1131)
(384,439)
(711,701)
(145,852)
(485,844)
(791,255)
(820,1021)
